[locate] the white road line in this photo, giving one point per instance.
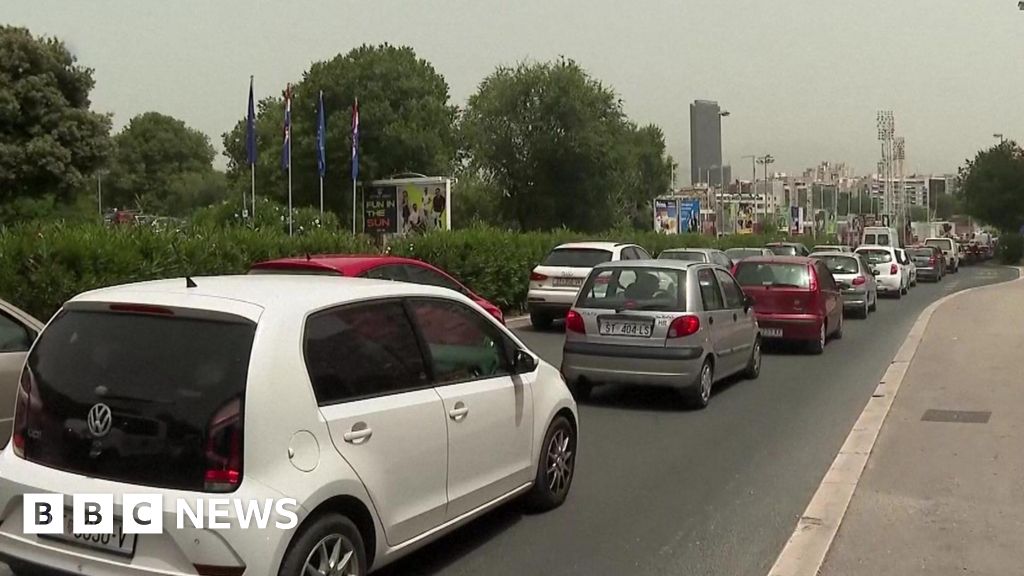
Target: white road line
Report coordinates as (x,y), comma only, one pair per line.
(805,551)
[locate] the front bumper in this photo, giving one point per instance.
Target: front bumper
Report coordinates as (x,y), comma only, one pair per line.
(601,363)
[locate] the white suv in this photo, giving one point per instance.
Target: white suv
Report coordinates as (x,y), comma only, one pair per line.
(390,412)
(555,283)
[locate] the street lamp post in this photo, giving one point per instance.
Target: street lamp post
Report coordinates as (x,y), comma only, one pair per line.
(719,213)
(1000,137)
(766,161)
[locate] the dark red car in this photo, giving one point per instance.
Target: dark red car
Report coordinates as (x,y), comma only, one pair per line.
(380,267)
(795,298)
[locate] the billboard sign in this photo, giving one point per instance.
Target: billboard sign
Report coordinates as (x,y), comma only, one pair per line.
(380,210)
(666,215)
(421,204)
(689,215)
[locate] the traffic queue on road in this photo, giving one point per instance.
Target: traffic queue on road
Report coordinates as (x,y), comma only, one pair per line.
(386,399)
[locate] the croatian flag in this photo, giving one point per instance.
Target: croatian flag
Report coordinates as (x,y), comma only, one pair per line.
(286,154)
(355,140)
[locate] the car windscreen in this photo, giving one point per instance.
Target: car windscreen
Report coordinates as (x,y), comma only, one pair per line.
(783,250)
(940,243)
(640,288)
(773,274)
(683,255)
(169,385)
(840,264)
(577,257)
(876,256)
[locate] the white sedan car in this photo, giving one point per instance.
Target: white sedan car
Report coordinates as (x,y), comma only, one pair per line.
(389,412)
(891,276)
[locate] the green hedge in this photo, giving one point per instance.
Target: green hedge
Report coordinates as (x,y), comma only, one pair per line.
(41,266)
(1011,249)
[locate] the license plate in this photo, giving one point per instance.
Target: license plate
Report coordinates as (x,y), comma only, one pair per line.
(115,543)
(574,282)
(626,328)
(771,332)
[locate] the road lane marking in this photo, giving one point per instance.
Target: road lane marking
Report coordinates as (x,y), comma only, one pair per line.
(816,529)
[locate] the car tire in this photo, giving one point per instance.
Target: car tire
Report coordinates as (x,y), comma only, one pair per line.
(874,303)
(818,346)
(838,335)
(753,369)
(581,390)
(540,320)
(913,283)
(898,294)
(335,534)
(866,310)
(699,394)
(555,467)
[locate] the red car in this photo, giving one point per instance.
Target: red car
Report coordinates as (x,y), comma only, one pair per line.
(380,267)
(795,298)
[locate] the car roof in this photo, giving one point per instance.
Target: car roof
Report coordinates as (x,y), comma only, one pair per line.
(610,246)
(667,264)
(833,253)
(777,259)
(701,250)
(876,247)
(250,296)
(346,264)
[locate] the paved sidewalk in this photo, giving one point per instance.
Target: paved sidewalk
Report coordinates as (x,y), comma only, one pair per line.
(947,497)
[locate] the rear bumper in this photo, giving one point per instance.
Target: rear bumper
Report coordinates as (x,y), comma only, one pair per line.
(855,298)
(928,272)
(554,302)
(793,326)
(657,366)
(891,283)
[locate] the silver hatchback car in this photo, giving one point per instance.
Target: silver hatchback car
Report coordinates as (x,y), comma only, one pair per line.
(684,325)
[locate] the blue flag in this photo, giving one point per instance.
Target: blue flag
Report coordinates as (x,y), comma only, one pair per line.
(355,140)
(250,128)
(321,139)
(286,153)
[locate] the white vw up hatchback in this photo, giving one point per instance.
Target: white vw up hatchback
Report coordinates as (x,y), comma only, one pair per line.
(390,412)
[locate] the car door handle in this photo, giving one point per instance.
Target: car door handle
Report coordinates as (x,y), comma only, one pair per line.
(458,412)
(358,434)
(711,320)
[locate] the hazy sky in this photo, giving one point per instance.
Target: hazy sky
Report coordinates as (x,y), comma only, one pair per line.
(802,78)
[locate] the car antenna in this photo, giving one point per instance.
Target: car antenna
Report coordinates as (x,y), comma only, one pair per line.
(308,257)
(190,283)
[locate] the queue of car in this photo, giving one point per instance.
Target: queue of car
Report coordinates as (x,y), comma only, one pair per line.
(380,393)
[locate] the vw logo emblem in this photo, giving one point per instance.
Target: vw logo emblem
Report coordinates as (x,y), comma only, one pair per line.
(99,420)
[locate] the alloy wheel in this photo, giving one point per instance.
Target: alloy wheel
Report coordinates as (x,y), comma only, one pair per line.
(821,337)
(334,555)
(559,462)
(705,384)
(757,357)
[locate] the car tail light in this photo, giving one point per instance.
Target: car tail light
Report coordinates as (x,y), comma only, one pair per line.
(224,448)
(932,260)
(22,406)
(894,269)
(684,326)
(813,283)
(859,280)
(141,309)
(537,277)
(574,322)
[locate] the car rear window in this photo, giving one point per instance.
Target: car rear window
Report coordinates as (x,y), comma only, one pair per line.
(783,250)
(577,257)
(738,253)
(876,256)
(296,271)
(685,256)
(940,243)
(919,252)
(880,239)
(841,264)
(773,274)
(169,382)
(634,289)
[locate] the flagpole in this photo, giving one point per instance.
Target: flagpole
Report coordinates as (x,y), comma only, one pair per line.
(321,200)
(353,205)
(289,182)
(252,174)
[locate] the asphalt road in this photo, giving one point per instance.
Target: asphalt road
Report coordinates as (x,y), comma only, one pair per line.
(664,490)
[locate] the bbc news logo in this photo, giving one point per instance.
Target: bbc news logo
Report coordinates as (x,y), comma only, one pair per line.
(144,514)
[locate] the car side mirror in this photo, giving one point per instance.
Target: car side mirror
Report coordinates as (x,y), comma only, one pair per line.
(844,285)
(748,303)
(875,272)
(524,362)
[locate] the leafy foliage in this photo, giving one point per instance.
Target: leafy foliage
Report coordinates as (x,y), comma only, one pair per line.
(1011,248)
(407,124)
(50,142)
(162,165)
(993,186)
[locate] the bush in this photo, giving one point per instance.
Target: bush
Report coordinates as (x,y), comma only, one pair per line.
(42,265)
(1011,249)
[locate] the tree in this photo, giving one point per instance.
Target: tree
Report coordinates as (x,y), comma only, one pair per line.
(155,155)
(50,141)
(549,137)
(407,124)
(993,186)
(643,173)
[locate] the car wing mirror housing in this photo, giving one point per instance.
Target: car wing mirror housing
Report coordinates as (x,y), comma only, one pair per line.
(748,303)
(524,362)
